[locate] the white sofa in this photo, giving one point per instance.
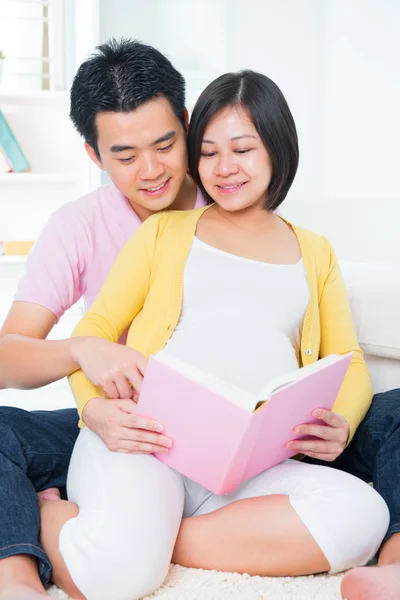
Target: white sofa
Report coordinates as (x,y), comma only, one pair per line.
(365,234)
(366,238)
(374,294)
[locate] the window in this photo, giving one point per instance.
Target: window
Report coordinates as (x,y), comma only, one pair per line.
(32,40)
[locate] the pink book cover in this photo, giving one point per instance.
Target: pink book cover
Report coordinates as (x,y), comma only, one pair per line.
(219,444)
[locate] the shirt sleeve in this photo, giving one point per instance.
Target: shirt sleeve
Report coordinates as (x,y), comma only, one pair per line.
(119,301)
(54,276)
(338,336)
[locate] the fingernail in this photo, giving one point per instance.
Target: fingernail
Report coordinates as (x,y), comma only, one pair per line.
(317,413)
(164,450)
(289,445)
(298,430)
(158,427)
(167,442)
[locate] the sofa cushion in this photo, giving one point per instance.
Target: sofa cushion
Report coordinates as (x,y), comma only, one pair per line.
(374,294)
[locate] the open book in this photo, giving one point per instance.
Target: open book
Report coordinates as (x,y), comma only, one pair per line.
(224,435)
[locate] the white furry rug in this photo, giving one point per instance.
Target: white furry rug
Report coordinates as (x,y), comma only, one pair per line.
(194,584)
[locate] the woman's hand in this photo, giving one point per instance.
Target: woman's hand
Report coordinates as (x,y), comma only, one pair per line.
(333,436)
(117,369)
(122,430)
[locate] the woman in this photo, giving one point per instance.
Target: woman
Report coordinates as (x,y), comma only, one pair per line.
(242,294)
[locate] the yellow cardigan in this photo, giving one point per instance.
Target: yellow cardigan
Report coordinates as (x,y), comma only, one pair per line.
(144,290)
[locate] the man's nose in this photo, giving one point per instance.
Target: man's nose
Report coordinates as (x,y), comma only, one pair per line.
(150,167)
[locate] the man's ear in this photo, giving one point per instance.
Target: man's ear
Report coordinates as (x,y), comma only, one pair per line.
(186,115)
(93,156)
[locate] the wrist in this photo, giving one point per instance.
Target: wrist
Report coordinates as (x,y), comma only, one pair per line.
(79,347)
(88,409)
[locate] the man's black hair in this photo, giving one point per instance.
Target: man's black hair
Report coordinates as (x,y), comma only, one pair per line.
(120,76)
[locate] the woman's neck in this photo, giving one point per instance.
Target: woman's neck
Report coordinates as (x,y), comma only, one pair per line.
(251,219)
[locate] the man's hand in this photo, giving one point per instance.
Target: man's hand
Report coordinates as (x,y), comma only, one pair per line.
(333,436)
(117,369)
(122,430)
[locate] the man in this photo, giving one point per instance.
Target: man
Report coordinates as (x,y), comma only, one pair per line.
(128,103)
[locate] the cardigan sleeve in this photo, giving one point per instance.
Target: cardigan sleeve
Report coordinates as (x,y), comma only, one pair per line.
(338,336)
(119,301)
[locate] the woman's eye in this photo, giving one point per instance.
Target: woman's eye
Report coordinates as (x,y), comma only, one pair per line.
(166,148)
(208,154)
(240,151)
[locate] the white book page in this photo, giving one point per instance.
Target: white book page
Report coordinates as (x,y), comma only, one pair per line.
(240,397)
(296,375)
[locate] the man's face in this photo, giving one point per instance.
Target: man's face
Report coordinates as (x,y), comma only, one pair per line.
(144,153)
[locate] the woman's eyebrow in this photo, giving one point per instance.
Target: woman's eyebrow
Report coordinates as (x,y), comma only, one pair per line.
(236,137)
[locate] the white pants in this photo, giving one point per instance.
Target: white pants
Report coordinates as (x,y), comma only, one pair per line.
(120,545)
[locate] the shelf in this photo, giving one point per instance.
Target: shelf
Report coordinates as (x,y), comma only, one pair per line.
(37,178)
(13,260)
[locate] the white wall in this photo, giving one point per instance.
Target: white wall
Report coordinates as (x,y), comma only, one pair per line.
(337,61)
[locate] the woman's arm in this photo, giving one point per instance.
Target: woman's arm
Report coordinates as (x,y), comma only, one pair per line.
(119,301)
(338,336)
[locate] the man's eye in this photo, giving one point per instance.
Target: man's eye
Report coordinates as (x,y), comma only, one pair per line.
(126,160)
(166,148)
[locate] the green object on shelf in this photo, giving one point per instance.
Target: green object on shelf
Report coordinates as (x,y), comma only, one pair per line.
(11,149)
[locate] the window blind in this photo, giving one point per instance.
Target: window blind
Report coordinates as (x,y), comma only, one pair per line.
(32,40)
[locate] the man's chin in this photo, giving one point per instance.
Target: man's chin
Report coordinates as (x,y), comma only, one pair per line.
(157,205)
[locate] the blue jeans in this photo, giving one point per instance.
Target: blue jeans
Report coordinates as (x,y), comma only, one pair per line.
(374,453)
(35,451)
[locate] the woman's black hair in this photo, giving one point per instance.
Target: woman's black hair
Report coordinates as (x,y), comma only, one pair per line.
(267,108)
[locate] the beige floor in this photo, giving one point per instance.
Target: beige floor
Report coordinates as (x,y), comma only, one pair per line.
(192,584)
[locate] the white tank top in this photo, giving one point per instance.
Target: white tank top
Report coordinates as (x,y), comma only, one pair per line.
(241,319)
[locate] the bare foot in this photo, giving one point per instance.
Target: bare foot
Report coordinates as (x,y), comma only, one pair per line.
(21,592)
(372,583)
(49,494)
(19,579)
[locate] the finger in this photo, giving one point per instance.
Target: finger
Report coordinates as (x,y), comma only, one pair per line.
(141,435)
(323,457)
(134,376)
(140,422)
(142,363)
(330,418)
(127,405)
(321,431)
(122,385)
(109,388)
(314,446)
(133,447)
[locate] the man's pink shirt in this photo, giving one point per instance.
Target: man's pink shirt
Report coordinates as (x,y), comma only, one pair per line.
(77,248)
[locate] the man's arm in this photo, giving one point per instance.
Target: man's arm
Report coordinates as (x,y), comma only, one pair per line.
(52,283)
(27,359)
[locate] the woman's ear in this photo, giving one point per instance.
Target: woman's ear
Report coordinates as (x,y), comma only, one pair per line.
(186,114)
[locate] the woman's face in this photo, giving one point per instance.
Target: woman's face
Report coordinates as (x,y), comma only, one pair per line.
(234,167)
